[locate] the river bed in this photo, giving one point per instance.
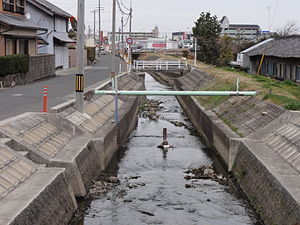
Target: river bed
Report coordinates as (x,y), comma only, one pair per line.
(153,188)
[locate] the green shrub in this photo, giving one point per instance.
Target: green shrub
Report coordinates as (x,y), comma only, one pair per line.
(13,64)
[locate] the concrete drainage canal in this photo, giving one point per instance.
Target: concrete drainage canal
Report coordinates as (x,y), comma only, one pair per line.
(184,184)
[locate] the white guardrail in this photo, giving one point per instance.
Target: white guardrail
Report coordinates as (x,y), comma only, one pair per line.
(159,65)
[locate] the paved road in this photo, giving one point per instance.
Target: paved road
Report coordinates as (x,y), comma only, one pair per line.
(28,98)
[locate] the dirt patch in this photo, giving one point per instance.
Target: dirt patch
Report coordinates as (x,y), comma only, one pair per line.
(204,173)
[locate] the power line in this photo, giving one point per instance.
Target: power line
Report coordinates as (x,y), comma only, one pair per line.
(120,8)
(124,6)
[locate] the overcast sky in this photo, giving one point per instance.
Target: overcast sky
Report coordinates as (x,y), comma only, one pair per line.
(180,15)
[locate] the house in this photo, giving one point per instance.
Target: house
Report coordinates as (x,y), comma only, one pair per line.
(178,36)
(135,35)
(281,58)
(55,40)
(243,60)
(241,31)
(18,35)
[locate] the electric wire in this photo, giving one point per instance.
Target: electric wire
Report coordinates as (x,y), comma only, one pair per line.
(124,6)
(121,10)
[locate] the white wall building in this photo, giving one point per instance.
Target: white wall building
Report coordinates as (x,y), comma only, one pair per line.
(157,44)
(241,31)
(55,40)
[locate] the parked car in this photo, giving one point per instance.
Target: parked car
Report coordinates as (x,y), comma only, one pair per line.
(102,50)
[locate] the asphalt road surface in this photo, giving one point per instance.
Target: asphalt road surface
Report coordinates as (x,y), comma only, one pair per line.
(28,98)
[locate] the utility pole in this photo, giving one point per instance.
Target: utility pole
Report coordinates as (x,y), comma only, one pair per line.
(129,46)
(119,40)
(80,50)
(94,26)
(195,57)
(113,64)
(113,44)
(122,37)
(100,39)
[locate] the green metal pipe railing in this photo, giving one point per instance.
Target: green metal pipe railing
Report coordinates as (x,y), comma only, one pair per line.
(176,93)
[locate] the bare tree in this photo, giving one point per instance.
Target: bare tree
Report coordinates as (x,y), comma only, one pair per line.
(289,29)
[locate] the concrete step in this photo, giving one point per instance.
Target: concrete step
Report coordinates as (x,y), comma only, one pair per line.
(25,187)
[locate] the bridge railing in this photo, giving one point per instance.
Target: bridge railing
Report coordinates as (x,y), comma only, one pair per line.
(159,65)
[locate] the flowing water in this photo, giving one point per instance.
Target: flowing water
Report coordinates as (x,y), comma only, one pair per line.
(158,194)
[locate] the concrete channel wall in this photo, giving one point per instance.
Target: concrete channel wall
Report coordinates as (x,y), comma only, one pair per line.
(48,159)
(263,154)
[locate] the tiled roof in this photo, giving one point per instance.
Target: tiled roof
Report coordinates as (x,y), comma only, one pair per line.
(62,36)
(51,7)
(288,47)
(18,21)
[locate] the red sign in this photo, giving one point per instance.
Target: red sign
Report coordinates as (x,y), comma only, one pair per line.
(159,45)
(129,41)
(73,22)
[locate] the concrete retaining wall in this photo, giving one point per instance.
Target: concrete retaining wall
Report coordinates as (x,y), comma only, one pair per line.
(32,194)
(266,164)
(78,146)
(272,186)
(212,129)
(40,67)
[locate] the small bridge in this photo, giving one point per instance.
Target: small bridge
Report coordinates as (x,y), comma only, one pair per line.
(159,65)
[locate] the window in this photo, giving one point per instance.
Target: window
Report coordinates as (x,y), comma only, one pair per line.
(275,69)
(23,47)
(284,70)
(9,5)
(10,46)
(16,6)
(20,6)
(298,73)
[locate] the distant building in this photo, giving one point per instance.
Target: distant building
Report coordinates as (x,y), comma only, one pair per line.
(156,44)
(135,35)
(242,31)
(281,58)
(178,36)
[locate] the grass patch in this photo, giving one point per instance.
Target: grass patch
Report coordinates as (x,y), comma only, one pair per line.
(283,93)
(211,102)
(229,124)
(288,103)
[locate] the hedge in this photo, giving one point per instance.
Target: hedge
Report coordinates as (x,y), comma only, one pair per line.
(14,64)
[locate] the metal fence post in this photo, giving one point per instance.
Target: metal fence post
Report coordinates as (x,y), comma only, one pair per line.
(179,64)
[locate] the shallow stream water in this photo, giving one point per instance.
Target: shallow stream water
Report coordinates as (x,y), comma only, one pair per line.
(159,194)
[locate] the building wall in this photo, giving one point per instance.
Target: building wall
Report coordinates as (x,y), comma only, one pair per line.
(61,57)
(2,45)
(282,68)
(40,66)
(53,24)
(44,20)
(248,34)
(73,57)
(60,24)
